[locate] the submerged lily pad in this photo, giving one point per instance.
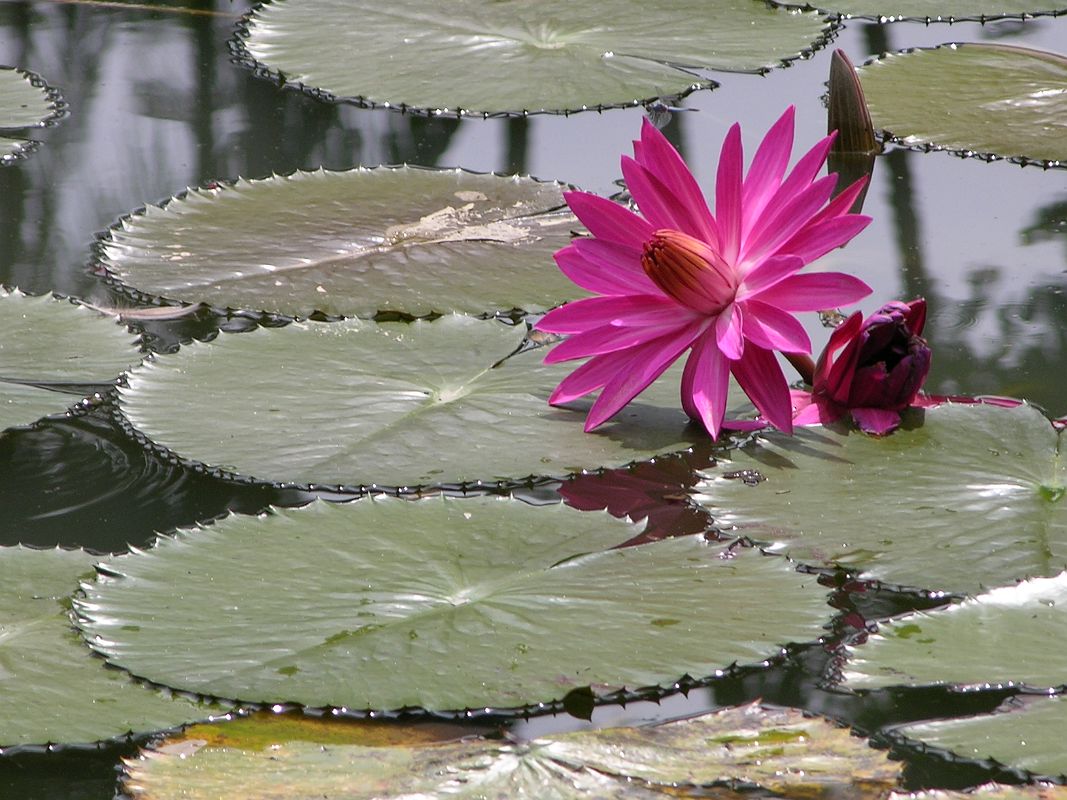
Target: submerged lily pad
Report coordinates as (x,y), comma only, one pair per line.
(408,240)
(439,604)
(1001,637)
(1029,738)
(781,751)
(355,403)
(54,689)
(988,100)
(930,10)
(509,56)
(963,498)
(26,101)
(51,350)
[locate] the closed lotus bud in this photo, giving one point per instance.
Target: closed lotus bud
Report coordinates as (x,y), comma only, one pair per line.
(881,368)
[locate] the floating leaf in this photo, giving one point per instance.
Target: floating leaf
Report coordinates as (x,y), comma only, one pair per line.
(493,57)
(353,403)
(965,498)
(990,100)
(989,791)
(439,604)
(1030,738)
(1000,637)
(409,240)
(931,10)
(49,347)
(54,689)
(781,751)
(26,101)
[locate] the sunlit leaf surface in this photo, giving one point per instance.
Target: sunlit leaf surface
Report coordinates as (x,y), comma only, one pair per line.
(25,102)
(54,689)
(977,99)
(1005,636)
(780,750)
(44,340)
(962,498)
(440,604)
(1029,738)
(486,56)
(930,10)
(353,243)
(355,403)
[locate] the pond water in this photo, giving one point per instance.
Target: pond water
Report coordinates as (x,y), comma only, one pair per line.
(157,106)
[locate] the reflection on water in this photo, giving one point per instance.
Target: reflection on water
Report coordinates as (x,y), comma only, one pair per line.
(156,106)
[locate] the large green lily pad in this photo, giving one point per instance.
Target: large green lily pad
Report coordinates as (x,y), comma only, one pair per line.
(510,56)
(1009,636)
(408,240)
(50,349)
(439,604)
(26,101)
(54,689)
(1029,738)
(990,100)
(354,403)
(782,751)
(930,10)
(962,498)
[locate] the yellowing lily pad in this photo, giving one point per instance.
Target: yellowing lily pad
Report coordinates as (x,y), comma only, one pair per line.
(780,751)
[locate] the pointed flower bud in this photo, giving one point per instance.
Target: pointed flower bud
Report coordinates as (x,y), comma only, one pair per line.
(689,271)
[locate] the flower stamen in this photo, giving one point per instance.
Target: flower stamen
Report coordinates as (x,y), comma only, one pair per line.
(688,271)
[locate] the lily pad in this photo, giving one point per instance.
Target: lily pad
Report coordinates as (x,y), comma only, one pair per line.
(928,11)
(55,689)
(1001,637)
(408,240)
(497,57)
(781,751)
(1029,738)
(963,498)
(439,604)
(26,101)
(989,791)
(51,350)
(986,100)
(354,403)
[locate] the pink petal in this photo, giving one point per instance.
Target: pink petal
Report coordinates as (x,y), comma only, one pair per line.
(774,329)
(587,378)
(877,421)
(605,268)
(768,166)
(779,224)
(767,273)
(760,376)
(657,203)
(834,377)
(607,339)
(705,381)
(728,208)
(608,220)
(818,412)
(658,156)
(807,167)
(728,332)
(842,201)
(815,292)
(646,363)
(637,310)
(816,240)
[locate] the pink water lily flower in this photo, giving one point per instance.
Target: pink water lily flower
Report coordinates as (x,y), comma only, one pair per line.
(881,368)
(675,277)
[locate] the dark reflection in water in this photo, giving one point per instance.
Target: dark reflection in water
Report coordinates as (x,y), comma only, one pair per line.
(80,483)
